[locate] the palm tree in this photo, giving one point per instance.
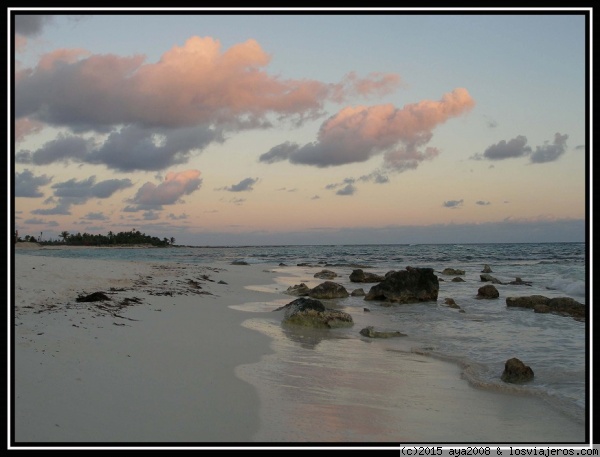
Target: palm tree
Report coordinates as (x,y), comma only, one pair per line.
(64,235)
(172,240)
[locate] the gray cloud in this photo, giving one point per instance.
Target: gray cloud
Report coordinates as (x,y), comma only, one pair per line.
(348,189)
(550,152)
(73,192)
(63,148)
(27,185)
(517,147)
(453,203)
(280,152)
(30,25)
(128,149)
(245,185)
(482,203)
(95,217)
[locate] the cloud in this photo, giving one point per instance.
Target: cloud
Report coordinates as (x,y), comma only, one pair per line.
(175,185)
(550,152)
(27,185)
(453,203)
(482,203)
(245,185)
(30,25)
(62,149)
(355,134)
(73,192)
(25,127)
(517,147)
(197,83)
(96,217)
(348,189)
(191,96)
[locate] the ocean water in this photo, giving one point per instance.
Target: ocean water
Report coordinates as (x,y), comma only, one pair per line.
(479,338)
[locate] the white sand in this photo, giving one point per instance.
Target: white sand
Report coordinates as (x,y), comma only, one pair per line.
(189,368)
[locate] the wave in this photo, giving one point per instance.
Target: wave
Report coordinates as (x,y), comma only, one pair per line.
(569,286)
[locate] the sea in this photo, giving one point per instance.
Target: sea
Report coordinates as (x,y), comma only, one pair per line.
(479,337)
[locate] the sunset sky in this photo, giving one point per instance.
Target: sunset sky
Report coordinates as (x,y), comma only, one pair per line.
(278,127)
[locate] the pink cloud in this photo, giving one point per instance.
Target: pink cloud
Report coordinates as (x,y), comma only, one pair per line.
(355,134)
(174,186)
(197,83)
(25,127)
(49,60)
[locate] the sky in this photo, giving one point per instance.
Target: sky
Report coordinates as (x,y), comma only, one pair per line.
(261,127)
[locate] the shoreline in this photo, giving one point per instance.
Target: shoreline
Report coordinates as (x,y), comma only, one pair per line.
(190,368)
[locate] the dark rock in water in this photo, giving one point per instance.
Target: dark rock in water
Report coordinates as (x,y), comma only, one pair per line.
(567,305)
(488,291)
(360,276)
(309,312)
(516,371)
(453,271)
(366,310)
(370,332)
(239,262)
(489,278)
(451,303)
(281,264)
(221,282)
(458,279)
(299,290)
(486,269)
(328,290)
(96,296)
(519,282)
(530,301)
(358,293)
(564,306)
(325,274)
(406,286)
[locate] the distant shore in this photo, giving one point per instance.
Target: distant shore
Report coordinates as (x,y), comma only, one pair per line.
(34,245)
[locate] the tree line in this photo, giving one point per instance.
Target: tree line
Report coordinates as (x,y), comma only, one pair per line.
(110,239)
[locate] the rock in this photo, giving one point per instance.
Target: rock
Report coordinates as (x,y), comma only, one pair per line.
(486,269)
(516,371)
(458,279)
(519,282)
(489,278)
(239,262)
(309,312)
(325,274)
(328,290)
(360,276)
(370,332)
(221,282)
(358,293)
(451,303)
(406,286)
(567,305)
(96,296)
(366,310)
(453,272)
(488,291)
(299,290)
(527,302)
(564,306)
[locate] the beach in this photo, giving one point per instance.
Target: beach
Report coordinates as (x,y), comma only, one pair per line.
(175,356)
